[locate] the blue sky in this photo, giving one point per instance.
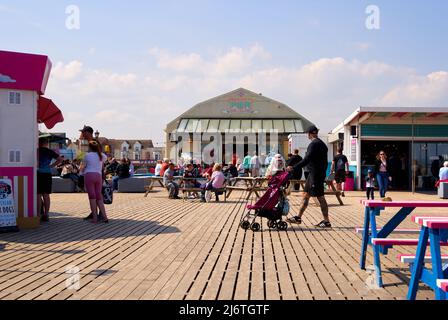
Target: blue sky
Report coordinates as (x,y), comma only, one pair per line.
(132,39)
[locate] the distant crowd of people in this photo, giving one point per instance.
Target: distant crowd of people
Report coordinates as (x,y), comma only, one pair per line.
(89,174)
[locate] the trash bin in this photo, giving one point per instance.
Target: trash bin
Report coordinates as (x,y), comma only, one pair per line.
(350,181)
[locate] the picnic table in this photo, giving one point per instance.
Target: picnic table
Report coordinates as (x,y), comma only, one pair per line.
(155,179)
(434,229)
(331,189)
(187,189)
(378,239)
(252,185)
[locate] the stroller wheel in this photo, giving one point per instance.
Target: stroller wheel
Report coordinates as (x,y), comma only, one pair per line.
(282,225)
(245,225)
(255,227)
(272,224)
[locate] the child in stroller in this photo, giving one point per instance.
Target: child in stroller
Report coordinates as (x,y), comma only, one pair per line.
(273,205)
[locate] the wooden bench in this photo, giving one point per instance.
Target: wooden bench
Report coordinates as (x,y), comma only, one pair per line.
(443,284)
(251,190)
(185,191)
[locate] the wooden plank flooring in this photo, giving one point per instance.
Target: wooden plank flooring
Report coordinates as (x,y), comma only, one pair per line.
(156,248)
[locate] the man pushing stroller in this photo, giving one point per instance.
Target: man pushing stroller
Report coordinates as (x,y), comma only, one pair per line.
(316,160)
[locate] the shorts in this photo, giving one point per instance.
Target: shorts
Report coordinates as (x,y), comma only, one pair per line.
(315,186)
(44,183)
(340,176)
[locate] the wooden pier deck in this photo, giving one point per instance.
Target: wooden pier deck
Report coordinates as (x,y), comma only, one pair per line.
(156,248)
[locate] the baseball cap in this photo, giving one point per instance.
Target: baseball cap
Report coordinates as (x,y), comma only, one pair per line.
(87,129)
(312,129)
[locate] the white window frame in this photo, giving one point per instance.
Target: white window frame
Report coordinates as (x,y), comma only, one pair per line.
(15,156)
(16,94)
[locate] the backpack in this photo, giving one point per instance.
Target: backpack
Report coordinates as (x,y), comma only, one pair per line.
(340,165)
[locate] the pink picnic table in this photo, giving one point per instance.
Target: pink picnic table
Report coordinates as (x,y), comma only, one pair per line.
(434,233)
(372,209)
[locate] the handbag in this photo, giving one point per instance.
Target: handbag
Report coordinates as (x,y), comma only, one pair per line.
(108,193)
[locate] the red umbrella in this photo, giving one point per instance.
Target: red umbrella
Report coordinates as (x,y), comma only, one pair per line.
(48,113)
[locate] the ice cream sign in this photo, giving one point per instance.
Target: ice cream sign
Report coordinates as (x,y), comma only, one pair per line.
(7,210)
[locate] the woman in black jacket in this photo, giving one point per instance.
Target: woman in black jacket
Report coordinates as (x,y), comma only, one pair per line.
(382,167)
(122,172)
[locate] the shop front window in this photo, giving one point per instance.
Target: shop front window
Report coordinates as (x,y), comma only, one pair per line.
(426,163)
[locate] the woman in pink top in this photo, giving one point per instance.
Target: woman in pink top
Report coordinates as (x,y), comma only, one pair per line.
(92,168)
(216,181)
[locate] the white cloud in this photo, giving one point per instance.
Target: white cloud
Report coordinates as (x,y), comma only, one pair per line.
(430,90)
(139,105)
(68,71)
(179,63)
(233,61)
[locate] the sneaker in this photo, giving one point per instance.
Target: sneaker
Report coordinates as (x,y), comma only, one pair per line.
(324,224)
(295,219)
(343,194)
(44,218)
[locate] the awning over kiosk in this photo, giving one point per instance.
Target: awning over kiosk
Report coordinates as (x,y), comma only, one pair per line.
(243,125)
(48,113)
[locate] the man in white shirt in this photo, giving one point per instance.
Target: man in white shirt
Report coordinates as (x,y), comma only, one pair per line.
(255,165)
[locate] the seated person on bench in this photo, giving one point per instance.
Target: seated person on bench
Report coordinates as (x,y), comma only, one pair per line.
(168,182)
(191,174)
(215,183)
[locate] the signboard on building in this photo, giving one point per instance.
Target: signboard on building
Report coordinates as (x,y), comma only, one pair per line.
(8,218)
(353,149)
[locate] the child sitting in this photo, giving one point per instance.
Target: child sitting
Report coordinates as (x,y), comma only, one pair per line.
(370,185)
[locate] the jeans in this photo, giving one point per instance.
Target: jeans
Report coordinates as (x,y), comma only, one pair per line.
(383,183)
(173,188)
(115,183)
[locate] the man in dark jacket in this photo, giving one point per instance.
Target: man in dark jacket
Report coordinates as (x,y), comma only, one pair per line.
(316,160)
(292,162)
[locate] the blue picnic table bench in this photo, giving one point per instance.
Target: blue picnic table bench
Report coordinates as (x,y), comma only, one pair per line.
(434,229)
(378,238)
